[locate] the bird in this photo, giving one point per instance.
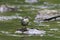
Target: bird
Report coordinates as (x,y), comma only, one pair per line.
(25,21)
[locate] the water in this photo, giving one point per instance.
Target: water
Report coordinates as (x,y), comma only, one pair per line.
(4,18)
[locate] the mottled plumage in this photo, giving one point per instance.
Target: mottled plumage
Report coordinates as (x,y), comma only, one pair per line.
(24,21)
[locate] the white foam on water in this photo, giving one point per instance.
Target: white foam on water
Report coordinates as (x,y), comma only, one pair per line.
(9,34)
(18,32)
(32,32)
(46,25)
(54,29)
(58,22)
(43,25)
(31,1)
(52,35)
(4,32)
(15,35)
(57,36)
(3,18)
(3,8)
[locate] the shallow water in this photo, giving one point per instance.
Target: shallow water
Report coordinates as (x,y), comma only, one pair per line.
(3,18)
